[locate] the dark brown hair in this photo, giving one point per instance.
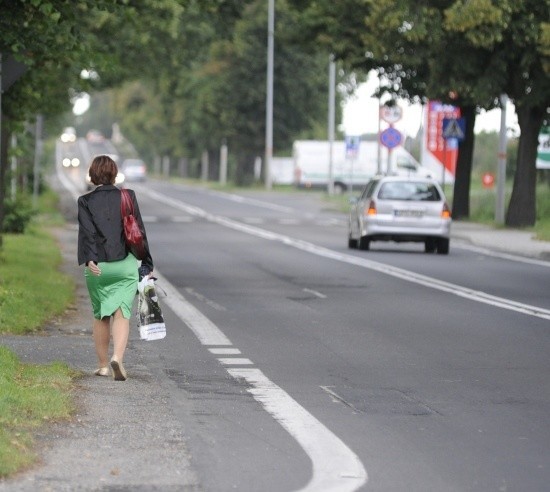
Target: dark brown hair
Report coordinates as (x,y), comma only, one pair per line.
(103,170)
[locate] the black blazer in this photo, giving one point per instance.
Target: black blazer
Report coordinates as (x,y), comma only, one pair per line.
(100,232)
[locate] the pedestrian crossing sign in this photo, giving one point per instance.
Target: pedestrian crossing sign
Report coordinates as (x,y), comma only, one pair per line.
(454,128)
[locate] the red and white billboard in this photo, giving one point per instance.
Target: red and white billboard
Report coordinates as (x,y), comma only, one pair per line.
(440,152)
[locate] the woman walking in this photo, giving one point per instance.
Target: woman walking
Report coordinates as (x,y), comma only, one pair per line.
(111,269)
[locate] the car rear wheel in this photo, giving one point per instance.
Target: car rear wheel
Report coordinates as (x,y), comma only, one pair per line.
(429,245)
(364,243)
(443,246)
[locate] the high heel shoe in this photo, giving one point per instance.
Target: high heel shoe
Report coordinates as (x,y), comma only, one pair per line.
(119,373)
(102,371)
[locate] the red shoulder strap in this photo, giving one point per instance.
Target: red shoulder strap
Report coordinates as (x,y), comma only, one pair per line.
(126,205)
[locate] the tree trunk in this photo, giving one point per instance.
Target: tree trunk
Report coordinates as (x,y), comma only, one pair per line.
(461,193)
(522,210)
(4,139)
(244,175)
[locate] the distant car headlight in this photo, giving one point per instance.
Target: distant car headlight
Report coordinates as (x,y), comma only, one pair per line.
(120,178)
(66,162)
(68,137)
(75,162)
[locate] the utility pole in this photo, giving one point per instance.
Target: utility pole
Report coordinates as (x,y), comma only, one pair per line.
(13,166)
(501,163)
(331,112)
(223,163)
(378,144)
(269,96)
(37,157)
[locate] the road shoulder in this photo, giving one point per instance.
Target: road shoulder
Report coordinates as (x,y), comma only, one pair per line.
(122,434)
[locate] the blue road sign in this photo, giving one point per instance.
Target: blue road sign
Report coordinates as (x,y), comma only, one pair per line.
(390,137)
(454,128)
(352,146)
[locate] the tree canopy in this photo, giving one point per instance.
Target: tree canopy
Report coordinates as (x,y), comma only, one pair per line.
(463,52)
(187,75)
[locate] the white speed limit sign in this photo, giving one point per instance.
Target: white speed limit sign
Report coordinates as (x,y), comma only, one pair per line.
(391,114)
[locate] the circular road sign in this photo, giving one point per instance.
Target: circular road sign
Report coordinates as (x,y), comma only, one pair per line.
(488,180)
(390,137)
(391,114)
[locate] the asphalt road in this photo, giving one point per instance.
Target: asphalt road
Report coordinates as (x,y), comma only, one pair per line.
(304,365)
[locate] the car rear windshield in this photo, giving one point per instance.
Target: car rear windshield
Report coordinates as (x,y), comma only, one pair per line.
(406,190)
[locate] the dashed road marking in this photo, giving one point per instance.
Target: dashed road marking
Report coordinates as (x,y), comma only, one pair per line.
(224,351)
(335,467)
(409,276)
(315,293)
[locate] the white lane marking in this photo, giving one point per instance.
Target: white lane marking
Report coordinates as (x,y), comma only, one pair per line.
(253,220)
(432,283)
(179,218)
(253,201)
(315,293)
(335,467)
(505,256)
(224,351)
(229,361)
(206,331)
(150,218)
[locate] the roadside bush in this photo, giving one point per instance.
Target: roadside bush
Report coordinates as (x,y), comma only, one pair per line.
(17,214)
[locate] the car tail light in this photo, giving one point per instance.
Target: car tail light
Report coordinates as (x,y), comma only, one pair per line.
(446,212)
(371,208)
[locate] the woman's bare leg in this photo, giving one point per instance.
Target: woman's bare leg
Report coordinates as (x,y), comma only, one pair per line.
(102,337)
(121,329)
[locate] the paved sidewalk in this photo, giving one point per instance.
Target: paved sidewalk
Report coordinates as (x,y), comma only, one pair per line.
(511,241)
(124,435)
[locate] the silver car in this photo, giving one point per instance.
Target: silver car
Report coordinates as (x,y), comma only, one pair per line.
(134,170)
(400,209)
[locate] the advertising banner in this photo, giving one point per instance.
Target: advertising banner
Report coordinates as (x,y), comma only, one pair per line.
(443,150)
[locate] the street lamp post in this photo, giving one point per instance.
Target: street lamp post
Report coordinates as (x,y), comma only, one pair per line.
(331,111)
(501,166)
(269,95)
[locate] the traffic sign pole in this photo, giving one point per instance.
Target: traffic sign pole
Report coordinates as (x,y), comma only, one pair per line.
(444,164)
(501,166)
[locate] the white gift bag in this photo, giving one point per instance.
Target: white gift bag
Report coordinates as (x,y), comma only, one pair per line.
(150,320)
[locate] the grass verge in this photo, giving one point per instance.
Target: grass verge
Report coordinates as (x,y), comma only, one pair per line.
(30,395)
(32,290)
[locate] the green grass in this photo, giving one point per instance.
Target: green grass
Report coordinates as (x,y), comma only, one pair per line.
(32,288)
(32,291)
(482,208)
(30,396)
(49,214)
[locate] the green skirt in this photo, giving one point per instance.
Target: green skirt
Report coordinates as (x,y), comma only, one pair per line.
(115,288)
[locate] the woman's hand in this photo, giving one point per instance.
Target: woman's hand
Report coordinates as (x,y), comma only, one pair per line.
(94,269)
